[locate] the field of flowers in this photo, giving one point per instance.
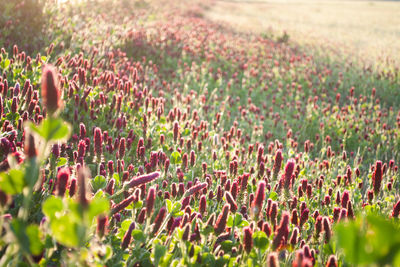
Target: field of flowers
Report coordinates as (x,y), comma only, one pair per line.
(143,134)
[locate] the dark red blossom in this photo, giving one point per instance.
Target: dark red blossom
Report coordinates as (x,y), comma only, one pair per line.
(272,260)
(282,232)
(151,197)
(50,92)
(126,240)
(143,179)
(332,261)
(203,204)
(377,177)
(30,147)
(159,219)
(98,141)
(195,189)
(327,229)
(82,187)
(396,210)
(277,163)
(289,168)
(62,181)
(102,223)
(231,201)
(247,239)
(259,198)
(122,205)
(219,226)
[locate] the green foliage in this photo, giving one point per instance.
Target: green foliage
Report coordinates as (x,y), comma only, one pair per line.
(370,239)
(12,182)
(52,129)
(261,240)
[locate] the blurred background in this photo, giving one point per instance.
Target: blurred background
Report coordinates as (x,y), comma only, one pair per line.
(369,30)
(366,31)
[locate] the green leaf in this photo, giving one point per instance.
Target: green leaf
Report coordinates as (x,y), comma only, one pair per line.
(396,261)
(260,240)
(5,63)
(52,129)
(12,182)
(207,230)
(135,205)
(99,182)
(18,228)
(35,243)
(159,252)
(384,237)
(176,208)
(235,220)
(125,224)
(273,196)
(353,242)
(176,158)
(244,223)
(138,235)
(31,172)
(66,231)
(98,206)
(52,206)
(229,223)
(108,254)
(186,132)
(208,259)
(227,245)
(116,178)
(12,116)
(62,162)
(169,205)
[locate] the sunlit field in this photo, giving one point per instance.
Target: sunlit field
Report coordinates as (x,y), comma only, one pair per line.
(166,133)
(369,30)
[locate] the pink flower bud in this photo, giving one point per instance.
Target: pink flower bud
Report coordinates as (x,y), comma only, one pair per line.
(377,177)
(62,181)
(396,210)
(102,223)
(72,187)
(259,198)
(126,240)
(277,163)
(247,239)
(288,173)
(195,189)
(50,92)
(220,225)
(203,204)
(272,260)
(122,205)
(98,141)
(282,232)
(231,201)
(143,179)
(151,197)
(332,261)
(159,219)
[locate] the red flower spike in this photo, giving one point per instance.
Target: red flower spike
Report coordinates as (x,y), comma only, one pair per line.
(50,92)
(62,181)
(247,239)
(259,199)
(220,225)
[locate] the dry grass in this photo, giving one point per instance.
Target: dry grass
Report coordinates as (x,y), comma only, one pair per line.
(367,29)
